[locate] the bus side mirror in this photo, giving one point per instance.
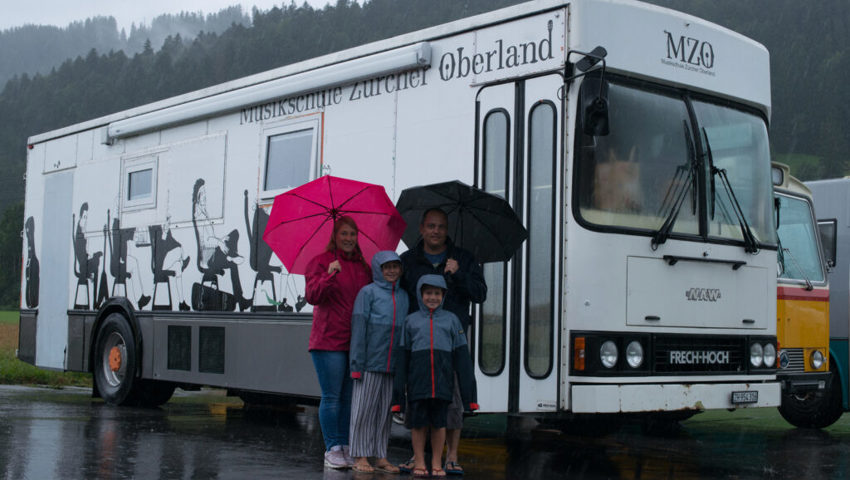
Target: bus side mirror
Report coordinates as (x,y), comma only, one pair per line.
(594,106)
(776,207)
(827,229)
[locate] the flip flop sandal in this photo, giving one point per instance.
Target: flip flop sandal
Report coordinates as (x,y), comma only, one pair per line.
(438,472)
(363,469)
(406,467)
(453,468)
(387,468)
(420,473)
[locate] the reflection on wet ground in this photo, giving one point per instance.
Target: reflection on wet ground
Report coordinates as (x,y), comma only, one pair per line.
(67,434)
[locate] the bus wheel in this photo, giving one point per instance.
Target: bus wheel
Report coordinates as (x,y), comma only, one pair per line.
(115,361)
(153,393)
(811,410)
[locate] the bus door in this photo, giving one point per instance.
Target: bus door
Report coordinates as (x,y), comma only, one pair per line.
(519,157)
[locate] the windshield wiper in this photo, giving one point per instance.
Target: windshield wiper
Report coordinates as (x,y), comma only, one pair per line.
(809,285)
(679,192)
(751,244)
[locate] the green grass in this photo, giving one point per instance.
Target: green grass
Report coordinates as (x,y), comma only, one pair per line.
(8,318)
(16,372)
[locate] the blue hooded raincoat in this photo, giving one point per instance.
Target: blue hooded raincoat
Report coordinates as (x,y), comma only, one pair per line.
(379,311)
(432,348)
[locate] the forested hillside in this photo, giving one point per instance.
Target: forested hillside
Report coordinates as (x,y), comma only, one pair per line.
(35,49)
(808,44)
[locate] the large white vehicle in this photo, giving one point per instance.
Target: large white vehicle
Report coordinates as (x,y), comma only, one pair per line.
(833,209)
(631,140)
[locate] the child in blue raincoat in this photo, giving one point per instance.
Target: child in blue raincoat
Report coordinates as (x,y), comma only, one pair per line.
(379,311)
(431,351)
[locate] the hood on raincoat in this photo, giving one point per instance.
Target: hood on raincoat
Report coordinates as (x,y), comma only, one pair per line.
(432,281)
(380,258)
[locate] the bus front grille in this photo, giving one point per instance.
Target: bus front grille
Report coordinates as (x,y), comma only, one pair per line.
(796,360)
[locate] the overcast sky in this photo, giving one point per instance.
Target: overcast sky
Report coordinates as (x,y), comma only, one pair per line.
(15,13)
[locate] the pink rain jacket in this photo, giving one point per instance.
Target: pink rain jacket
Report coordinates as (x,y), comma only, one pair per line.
(332,297)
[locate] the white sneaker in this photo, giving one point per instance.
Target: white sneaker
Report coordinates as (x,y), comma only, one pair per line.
(335,459)
(347,456)
(398,418)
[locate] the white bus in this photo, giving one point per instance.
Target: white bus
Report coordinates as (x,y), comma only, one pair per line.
(631,140)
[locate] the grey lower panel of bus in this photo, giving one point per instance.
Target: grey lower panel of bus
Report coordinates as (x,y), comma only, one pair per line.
(257,352)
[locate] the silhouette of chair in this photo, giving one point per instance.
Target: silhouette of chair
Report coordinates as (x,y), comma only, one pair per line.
(82,277)
(208,275)
(265,275)
(159,277)
(118,251)
(82,280)
(261,255)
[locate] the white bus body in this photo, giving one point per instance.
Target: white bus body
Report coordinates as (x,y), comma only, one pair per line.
(173,195)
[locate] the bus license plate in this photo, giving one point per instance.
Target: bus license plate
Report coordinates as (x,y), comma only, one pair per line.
(745,397)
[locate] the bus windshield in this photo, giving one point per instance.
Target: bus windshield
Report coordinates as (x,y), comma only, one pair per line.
(797,237)
(656,163)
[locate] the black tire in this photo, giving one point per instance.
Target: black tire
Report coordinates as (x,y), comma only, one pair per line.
(116,361)
(153,393)
(812,410)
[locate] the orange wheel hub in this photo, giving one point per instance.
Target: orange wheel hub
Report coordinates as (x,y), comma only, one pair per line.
(115,359)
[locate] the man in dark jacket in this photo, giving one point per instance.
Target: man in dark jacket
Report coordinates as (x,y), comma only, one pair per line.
(436,254)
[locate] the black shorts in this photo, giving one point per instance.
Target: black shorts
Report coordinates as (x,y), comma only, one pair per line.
(428,412)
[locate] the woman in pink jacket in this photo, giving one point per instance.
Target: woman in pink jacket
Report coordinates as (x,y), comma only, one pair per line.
(333,280)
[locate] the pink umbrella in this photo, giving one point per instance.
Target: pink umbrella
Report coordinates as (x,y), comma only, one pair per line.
(302,219)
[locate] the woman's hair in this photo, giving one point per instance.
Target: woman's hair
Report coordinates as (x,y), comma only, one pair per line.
(338,224)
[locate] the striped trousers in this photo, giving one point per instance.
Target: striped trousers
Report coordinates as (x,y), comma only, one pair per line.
(370,415)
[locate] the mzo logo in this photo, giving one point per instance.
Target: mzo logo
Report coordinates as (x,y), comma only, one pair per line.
(690,50)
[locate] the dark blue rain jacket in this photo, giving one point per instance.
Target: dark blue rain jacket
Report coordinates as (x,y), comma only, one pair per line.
(432,348)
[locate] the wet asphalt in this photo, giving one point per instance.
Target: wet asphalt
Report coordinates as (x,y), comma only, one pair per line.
(46,434)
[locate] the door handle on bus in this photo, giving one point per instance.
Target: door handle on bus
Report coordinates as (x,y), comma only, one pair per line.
(652,318)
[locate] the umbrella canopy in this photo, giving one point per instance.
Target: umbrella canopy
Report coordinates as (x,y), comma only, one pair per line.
(302,220)
(483,223)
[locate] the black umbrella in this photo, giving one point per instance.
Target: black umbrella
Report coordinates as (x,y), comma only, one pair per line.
(483,223)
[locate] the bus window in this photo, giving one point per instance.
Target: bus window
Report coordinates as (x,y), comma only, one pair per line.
(491,354)
(797,236)
(541,218)
(631,177)
(739,145)
(288,159)
(140,183)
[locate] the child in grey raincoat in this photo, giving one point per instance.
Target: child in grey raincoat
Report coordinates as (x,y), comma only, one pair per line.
(379,311)
(432,349)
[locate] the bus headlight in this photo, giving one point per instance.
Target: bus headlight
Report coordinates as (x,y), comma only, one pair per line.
(817,359)
(608,354)
(756,355)
(634,354)
(769,355)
